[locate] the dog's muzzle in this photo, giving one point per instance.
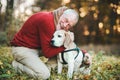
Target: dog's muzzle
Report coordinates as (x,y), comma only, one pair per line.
(52,42)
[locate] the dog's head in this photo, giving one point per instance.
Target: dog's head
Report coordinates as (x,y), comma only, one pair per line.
(62,38)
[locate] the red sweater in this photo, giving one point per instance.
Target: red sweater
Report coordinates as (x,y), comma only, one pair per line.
(36,33)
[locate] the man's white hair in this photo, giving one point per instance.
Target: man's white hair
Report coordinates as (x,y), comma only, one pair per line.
(72,13)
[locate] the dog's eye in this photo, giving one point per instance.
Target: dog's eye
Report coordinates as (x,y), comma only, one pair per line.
(59,36)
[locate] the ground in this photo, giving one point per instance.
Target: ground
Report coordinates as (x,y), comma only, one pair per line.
(104,67)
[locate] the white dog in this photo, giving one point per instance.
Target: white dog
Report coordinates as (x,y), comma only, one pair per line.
(77,61)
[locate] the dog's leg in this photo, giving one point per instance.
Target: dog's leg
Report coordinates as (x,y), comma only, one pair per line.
(70,68)
(59,67)
(76,67)
(78,62)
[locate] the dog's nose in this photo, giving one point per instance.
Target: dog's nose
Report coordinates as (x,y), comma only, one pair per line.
(52,42)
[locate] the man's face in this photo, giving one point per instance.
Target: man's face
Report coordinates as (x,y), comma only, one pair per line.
(66,22)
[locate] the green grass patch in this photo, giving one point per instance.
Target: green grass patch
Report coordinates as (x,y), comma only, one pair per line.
(104,67)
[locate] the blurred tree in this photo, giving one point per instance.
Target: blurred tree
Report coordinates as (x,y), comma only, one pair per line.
(48,4)
(0,7)
(0,15)
(9,11)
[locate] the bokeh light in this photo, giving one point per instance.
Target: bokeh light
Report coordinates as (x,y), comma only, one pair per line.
(100,25)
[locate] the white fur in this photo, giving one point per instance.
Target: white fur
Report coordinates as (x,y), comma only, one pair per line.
(61,38)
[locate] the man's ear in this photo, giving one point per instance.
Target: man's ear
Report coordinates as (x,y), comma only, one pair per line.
(69,37)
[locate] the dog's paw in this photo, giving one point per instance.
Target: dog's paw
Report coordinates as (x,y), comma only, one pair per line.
(69,75)
(85,71)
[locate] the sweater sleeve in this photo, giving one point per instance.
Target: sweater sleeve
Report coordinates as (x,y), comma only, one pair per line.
(46,31)
(48,50)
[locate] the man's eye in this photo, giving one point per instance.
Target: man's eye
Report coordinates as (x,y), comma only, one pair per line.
(59,35)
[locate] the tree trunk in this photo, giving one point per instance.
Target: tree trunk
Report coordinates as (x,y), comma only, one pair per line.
(9,11)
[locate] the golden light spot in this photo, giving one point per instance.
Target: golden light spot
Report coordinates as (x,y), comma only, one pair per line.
(107,31)
(83,12)
(95,15)
(86,33)
(115,6)
(81,9)
(65,2)
(118,10)
(96,0)
(118,29)
(93,8)
(100,25)
(118,21)
(111,4)
(114,27)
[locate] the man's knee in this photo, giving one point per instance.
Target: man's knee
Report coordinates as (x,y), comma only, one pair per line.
(40,74)
(17,66)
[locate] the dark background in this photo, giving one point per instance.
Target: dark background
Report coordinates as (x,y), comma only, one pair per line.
(99,19)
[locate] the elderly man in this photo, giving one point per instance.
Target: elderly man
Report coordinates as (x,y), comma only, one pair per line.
(35,35)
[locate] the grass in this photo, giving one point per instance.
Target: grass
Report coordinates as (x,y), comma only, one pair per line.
(104,67)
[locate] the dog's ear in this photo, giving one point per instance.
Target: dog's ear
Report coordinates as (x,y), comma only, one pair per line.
(69,37)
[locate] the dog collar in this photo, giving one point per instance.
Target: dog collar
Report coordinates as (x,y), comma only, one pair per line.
(74,49)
